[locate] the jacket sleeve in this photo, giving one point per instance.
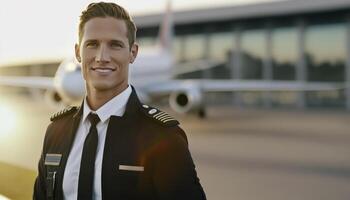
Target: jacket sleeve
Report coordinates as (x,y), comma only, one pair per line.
(175,177)
(40,185)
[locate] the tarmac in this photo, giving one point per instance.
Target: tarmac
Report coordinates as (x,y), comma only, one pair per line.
(254,154)
(240,153)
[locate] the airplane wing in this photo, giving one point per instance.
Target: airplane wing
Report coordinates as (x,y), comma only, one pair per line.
(205,85)
(210,85)
(28,82)
(196,65)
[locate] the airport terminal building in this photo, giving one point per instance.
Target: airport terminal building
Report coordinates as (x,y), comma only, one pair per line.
(294,40)
(300,40)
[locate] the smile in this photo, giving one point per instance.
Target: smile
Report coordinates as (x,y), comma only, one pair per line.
(102,69)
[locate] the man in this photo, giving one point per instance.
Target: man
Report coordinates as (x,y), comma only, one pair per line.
(113,147)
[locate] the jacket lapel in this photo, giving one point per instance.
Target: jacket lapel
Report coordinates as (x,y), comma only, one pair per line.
(120,144)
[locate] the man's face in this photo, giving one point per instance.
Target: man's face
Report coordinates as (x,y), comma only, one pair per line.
(105,54)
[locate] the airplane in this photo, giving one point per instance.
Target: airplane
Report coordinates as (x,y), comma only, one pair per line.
(153,75)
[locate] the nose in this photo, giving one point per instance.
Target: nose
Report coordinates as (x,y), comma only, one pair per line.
(103,55)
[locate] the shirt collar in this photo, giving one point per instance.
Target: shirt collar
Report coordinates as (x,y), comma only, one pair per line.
(116,106)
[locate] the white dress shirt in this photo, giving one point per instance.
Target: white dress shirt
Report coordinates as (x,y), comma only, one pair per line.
(116,107)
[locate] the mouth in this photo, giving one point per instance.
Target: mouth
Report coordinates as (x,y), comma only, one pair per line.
(103,69)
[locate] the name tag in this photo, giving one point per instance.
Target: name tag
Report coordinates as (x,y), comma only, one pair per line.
(131,168)
(53,159)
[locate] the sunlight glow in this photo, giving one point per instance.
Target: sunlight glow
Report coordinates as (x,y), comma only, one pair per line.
(52,25)
(7,119)
(3,197)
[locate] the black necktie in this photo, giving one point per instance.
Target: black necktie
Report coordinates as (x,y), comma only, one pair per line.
(87,165)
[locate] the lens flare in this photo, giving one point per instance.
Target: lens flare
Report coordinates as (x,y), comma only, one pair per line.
(3,197)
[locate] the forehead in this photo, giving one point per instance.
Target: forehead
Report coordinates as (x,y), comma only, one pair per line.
(105,28)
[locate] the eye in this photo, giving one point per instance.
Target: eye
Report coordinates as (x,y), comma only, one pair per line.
(116,45)
(91,44)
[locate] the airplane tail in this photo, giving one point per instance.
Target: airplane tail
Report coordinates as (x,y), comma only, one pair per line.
(166,30)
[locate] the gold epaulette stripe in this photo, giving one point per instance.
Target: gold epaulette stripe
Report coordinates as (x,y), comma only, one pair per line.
(165,117)
(168,120)
(158,114)
(63,112)
(162,115)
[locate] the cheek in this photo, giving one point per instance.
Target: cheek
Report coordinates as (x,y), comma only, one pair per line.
(122,60)
(87,54)
(84,71)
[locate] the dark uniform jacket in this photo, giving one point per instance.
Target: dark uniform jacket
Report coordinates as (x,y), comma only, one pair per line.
(144,137)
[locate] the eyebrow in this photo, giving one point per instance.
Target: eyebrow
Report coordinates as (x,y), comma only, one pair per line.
(91,40)
(112,41)
(117,41)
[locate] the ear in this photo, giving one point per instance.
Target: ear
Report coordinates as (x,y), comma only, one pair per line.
(77,52)
(133,52)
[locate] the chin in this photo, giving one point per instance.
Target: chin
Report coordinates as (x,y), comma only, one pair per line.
(101,85)
(106,85)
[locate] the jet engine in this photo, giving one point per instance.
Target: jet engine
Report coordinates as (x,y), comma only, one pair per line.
(188,101)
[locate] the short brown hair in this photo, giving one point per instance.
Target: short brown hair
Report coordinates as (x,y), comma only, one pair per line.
(107,9)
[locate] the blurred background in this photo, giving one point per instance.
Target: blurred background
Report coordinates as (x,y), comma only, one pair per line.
(251,145)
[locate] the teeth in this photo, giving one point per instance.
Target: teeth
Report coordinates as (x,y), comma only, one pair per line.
(103,70)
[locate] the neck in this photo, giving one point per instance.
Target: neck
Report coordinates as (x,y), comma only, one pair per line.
(96,98)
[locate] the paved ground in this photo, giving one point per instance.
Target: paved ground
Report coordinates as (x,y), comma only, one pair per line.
(242,154)
(260,154)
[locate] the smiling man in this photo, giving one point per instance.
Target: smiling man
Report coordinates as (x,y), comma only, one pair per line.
(112,147)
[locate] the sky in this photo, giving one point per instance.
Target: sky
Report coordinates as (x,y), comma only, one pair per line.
(44,30)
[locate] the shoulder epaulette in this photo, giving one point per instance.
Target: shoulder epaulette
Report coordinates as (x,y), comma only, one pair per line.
(63,113)
(159,116)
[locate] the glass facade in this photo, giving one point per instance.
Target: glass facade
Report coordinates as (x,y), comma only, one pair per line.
(253,52)
(325,55)
(284,52)
(194,47)
(145,42)
(178,49)
(325,52)
(221,45)
(284,55)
